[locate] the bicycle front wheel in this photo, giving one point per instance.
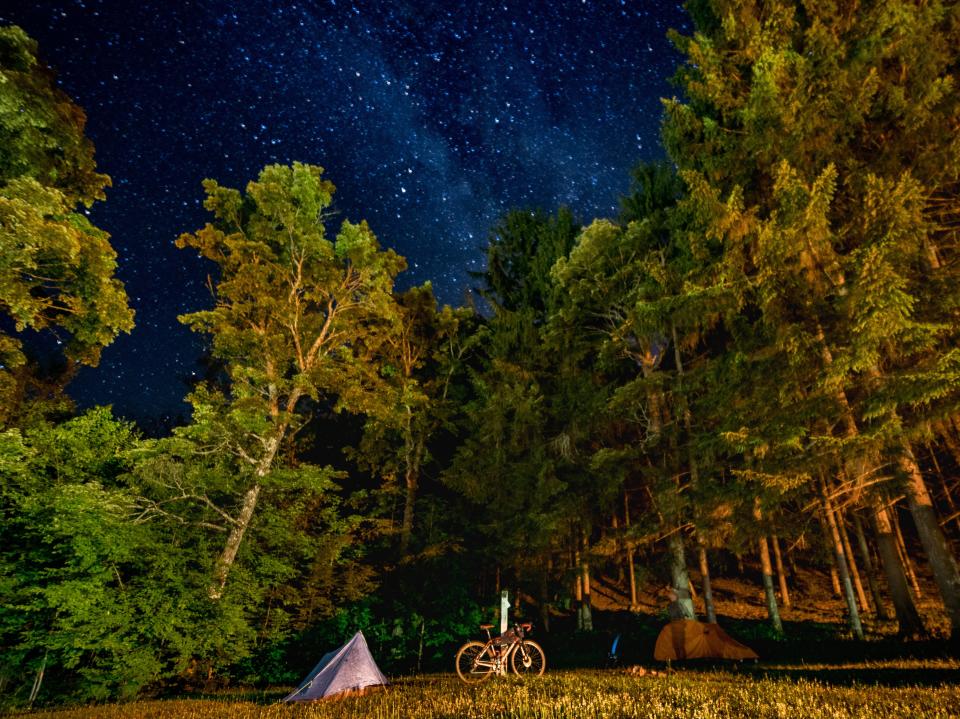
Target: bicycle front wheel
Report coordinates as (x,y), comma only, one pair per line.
(474,662)
(528,659)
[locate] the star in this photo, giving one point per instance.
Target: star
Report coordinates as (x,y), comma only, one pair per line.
(478,107)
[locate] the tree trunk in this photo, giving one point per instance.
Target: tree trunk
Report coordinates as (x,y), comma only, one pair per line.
(879,606)
(694,480)
(229,554)
(766,569)
(631,571)
(617,541)
(242,522)
(944,566)
(947,494)
(768,590)
(840,555)
(413,455)
(406,528)
(831,555)
(545,596)
(578,583)
(852,564)
(781,574)
(678,572)
(906,611)
(904,555)
(585,607)
(38,681)
(907,616)
(705,577)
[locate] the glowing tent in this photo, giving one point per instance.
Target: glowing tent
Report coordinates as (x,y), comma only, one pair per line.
(348,669)
(689,639)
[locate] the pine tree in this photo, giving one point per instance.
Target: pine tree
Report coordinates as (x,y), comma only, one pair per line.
(819,144)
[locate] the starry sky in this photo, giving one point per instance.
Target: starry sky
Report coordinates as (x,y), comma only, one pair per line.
(432,119)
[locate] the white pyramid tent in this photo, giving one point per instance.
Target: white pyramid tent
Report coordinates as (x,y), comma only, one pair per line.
(348,668)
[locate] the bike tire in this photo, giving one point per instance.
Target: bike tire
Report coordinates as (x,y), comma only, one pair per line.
(466,660)
(532,661)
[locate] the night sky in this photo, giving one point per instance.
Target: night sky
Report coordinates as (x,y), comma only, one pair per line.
(431,119)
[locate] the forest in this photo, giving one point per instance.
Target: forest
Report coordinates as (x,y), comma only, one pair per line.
(751,373)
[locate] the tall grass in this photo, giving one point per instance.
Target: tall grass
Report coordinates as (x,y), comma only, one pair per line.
(595,694)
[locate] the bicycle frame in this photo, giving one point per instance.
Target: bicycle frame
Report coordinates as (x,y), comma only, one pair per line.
(512,651)
(499,654)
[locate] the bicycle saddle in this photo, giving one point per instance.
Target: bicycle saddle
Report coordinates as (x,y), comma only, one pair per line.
(486,626)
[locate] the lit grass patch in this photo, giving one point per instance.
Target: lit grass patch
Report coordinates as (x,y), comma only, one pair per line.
(594,694)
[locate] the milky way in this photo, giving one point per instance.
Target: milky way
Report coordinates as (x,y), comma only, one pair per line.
(432,119)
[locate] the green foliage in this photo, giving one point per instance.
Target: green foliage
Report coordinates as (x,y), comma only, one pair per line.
(298,320)
(418,362)
(522,249)
(808,121)
(519,428)
(41,129)
(56,269)
(69,557)
(296,314)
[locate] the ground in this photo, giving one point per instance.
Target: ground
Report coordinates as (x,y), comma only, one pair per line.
(816,671)
(742,600)
(916,689)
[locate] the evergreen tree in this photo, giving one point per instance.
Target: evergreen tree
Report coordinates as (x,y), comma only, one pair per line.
(817,145)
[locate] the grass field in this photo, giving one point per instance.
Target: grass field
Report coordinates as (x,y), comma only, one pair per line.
(914,689)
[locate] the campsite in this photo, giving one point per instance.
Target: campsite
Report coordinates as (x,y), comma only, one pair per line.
(582,693)
(811,676)
(542,358)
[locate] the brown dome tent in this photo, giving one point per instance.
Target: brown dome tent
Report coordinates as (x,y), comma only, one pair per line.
(690,639)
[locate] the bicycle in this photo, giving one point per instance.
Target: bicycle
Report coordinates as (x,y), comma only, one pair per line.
(477,661)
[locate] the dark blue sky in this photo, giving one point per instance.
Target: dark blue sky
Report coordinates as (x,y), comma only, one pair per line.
(432,119)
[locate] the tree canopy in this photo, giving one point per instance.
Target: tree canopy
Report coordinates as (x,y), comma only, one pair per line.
(57,270)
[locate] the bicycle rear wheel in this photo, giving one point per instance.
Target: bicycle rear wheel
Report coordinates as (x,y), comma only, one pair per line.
(474,662)
(528,659)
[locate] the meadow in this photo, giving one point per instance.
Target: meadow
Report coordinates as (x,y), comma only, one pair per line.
(919,689)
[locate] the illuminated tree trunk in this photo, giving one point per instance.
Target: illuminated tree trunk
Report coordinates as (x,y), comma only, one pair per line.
(577,582)
(621,559)
(586,610)
(705,578)
(631,571)
(768,590)
(413,456)
(781,574)
(947,494)
(840,555)
(694,480)
(942,562)
(879,606)
(678,573)
(907,616)
(766,568)
(852,563)
(242,522)
(904,555)
(545,595)
(831,555)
